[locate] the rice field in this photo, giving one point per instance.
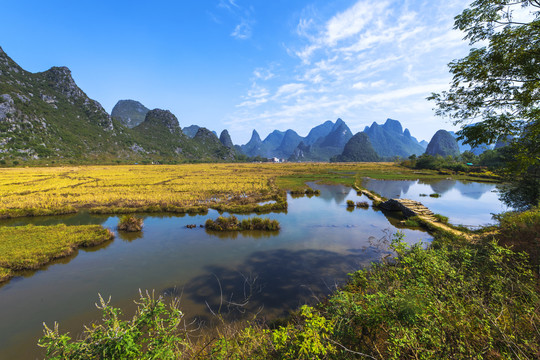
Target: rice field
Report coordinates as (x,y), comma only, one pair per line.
(173,188)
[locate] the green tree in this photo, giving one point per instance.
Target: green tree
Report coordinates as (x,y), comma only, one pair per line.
(495,91)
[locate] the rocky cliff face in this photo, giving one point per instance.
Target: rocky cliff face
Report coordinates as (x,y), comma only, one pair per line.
(165,118)
(326,146)
(129,112)
(253,146)
(209,141)
(225,139)
(47,115)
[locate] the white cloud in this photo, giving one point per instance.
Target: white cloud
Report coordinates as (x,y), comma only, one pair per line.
(352,21)
(263,74)
(242,31)
(289,90)
(364,64)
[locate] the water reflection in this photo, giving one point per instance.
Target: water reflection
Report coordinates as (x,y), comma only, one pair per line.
(254,234)
(279,281)
(318,244)
(130,236)
(442,186)
(465,203)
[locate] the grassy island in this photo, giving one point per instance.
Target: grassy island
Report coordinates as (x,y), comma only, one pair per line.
(233,224)
(29,247)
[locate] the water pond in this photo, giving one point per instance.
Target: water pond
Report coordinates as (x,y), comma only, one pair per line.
(465,203)
(319,243)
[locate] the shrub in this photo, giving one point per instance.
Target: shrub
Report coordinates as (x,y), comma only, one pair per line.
(435,195)
(233,224)
(350,203)
(441,218)
(130,223)
(153,333)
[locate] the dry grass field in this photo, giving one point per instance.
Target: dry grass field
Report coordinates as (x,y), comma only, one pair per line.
(173,188)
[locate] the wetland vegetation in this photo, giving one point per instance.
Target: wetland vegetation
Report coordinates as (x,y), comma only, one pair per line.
(232,223)
(29,247)
(384,311)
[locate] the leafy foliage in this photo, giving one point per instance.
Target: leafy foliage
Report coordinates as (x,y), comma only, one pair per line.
(499,81)
(448,301)
(498,84)
(152,333)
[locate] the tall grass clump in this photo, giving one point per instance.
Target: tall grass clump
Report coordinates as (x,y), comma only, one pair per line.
(521,231)
(232,223)
(441,218)
(130,223)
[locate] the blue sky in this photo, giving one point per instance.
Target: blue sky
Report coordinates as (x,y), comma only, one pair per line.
(244,65)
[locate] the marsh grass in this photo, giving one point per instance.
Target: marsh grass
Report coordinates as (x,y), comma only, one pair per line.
(362,204)
(5,274)
(187,188)
(130,223)
(29,247)
(232,223)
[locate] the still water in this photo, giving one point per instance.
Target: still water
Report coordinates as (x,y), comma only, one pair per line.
(465,203)
(320,241)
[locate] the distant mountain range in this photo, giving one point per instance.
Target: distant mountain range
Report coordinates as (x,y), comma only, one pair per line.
(46,116)
(329,139)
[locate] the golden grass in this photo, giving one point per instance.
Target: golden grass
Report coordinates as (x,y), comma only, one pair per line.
(29,247)
(174,188)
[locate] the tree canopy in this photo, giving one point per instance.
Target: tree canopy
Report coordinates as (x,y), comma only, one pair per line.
(496,88)
(495,92)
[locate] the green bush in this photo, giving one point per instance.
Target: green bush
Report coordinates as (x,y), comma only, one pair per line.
(153,333)
(350,203)
(451,301)
(412,222)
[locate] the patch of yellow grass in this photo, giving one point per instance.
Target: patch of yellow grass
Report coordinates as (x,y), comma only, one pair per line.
(28,247)
(45,191)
